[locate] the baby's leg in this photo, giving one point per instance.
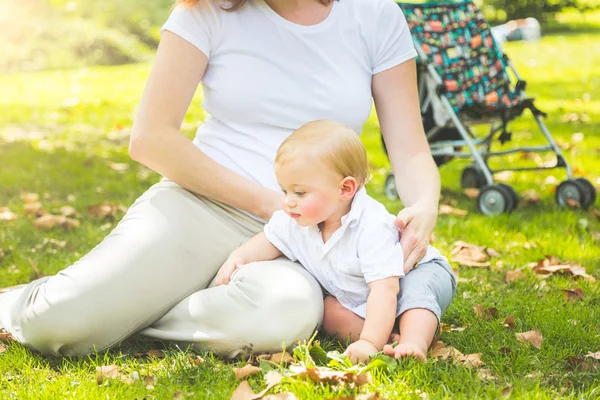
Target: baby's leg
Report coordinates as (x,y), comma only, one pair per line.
(426,292)
(340,322)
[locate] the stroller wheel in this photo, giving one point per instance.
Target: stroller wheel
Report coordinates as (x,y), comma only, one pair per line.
(589,192)
(472,177)
(512,193)
(495,200)
(389,187)
(573,193)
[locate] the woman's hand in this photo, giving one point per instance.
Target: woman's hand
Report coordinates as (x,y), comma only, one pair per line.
(227,269)
(416,223)
(360,351)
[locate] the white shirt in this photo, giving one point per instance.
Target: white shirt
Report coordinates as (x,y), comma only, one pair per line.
(364,249)
(267,76)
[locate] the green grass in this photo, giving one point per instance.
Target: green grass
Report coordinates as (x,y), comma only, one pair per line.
(61,130)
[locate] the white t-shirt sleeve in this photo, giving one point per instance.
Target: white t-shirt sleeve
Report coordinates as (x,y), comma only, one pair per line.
(278,231)
(379,252)
(198,24)
(392,43)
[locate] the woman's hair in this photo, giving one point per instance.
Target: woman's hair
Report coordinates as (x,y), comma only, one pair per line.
(232,4)
(330,142)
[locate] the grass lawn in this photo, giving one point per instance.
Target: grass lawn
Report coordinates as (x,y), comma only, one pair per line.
(64,134)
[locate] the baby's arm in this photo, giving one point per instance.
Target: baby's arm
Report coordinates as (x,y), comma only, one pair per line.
(381,315)
(258,248)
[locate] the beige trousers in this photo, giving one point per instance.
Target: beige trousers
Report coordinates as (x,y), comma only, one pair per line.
(153,275)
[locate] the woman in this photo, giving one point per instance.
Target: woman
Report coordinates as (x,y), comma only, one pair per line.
(267,67)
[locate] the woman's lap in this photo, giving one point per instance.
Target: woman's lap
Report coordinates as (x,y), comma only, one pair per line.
(169,245)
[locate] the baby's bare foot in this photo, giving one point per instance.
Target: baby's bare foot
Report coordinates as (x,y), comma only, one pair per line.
(407,349)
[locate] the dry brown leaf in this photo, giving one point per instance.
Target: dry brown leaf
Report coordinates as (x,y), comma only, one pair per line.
(472,360)
(2,348)
(243,392)
(150,382)
(103,210)
(7,215)
(286,358)
(572,203)
(246,370)
(485,313)
(178,395)
(552,264)
(596,213)
(595,355)
(485,374)
(324,375)
(29,198)
(505,351)
(449,210)
(573,294)
(531,197)
(281,396)
(51,221)
(38,273)
(470,255)
(515,275)
(36,209)
(452,328)
(533,337)
(107,372)
(155,353)
(68,211)
(506,392)
(119,167)
(510,321)
(6,337)
(471,193)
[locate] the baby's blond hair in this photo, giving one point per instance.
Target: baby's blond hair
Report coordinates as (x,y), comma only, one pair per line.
(330,142)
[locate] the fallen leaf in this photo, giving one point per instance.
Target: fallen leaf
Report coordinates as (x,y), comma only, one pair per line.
(470,255)
(485,374)
(246,370)
(533,337)
(595,355)
(178,395)
(107,372)
(6,337)
(573,294)
(51,221)
(504,351)
(103,211)
(286,358)
(530,197)
(2,348)
(29,198)
(510,321)
(243,392)
(550,265)
(572,203)
(119,167)
(596,213)
(7,215)
(452,328)
(324,375)
(68,211)
(471,193)
(38,273)
(506,392)
(515,275)
(155,353)
(448,210)
(150,382)
(486,313)
(36,209)
(472,360)
(281,396)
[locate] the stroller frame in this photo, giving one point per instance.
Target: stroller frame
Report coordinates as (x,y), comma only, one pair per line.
(446,141)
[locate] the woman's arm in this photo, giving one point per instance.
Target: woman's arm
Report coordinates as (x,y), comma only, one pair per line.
(258,248)
(156,140)
(417,177)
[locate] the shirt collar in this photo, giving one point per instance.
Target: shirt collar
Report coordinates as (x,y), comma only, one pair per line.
(348,220)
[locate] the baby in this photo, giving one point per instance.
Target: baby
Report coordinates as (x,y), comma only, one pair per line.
(343,237)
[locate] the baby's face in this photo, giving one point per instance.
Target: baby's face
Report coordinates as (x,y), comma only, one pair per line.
(311,191)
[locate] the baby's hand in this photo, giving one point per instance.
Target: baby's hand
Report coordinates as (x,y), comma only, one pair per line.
(360,351)
(227,269)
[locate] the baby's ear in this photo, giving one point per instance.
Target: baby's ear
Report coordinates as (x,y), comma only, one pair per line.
(348,187)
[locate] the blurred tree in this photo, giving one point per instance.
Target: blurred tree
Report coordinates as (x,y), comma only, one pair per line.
(502,10)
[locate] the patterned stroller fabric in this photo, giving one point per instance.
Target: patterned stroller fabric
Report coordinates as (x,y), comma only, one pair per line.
(457,40)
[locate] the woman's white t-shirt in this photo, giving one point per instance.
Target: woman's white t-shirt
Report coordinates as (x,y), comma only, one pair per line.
(267,76)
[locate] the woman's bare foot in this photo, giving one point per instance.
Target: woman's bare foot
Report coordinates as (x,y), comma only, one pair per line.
(407,349)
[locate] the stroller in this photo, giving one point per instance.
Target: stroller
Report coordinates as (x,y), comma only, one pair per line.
(463,82)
